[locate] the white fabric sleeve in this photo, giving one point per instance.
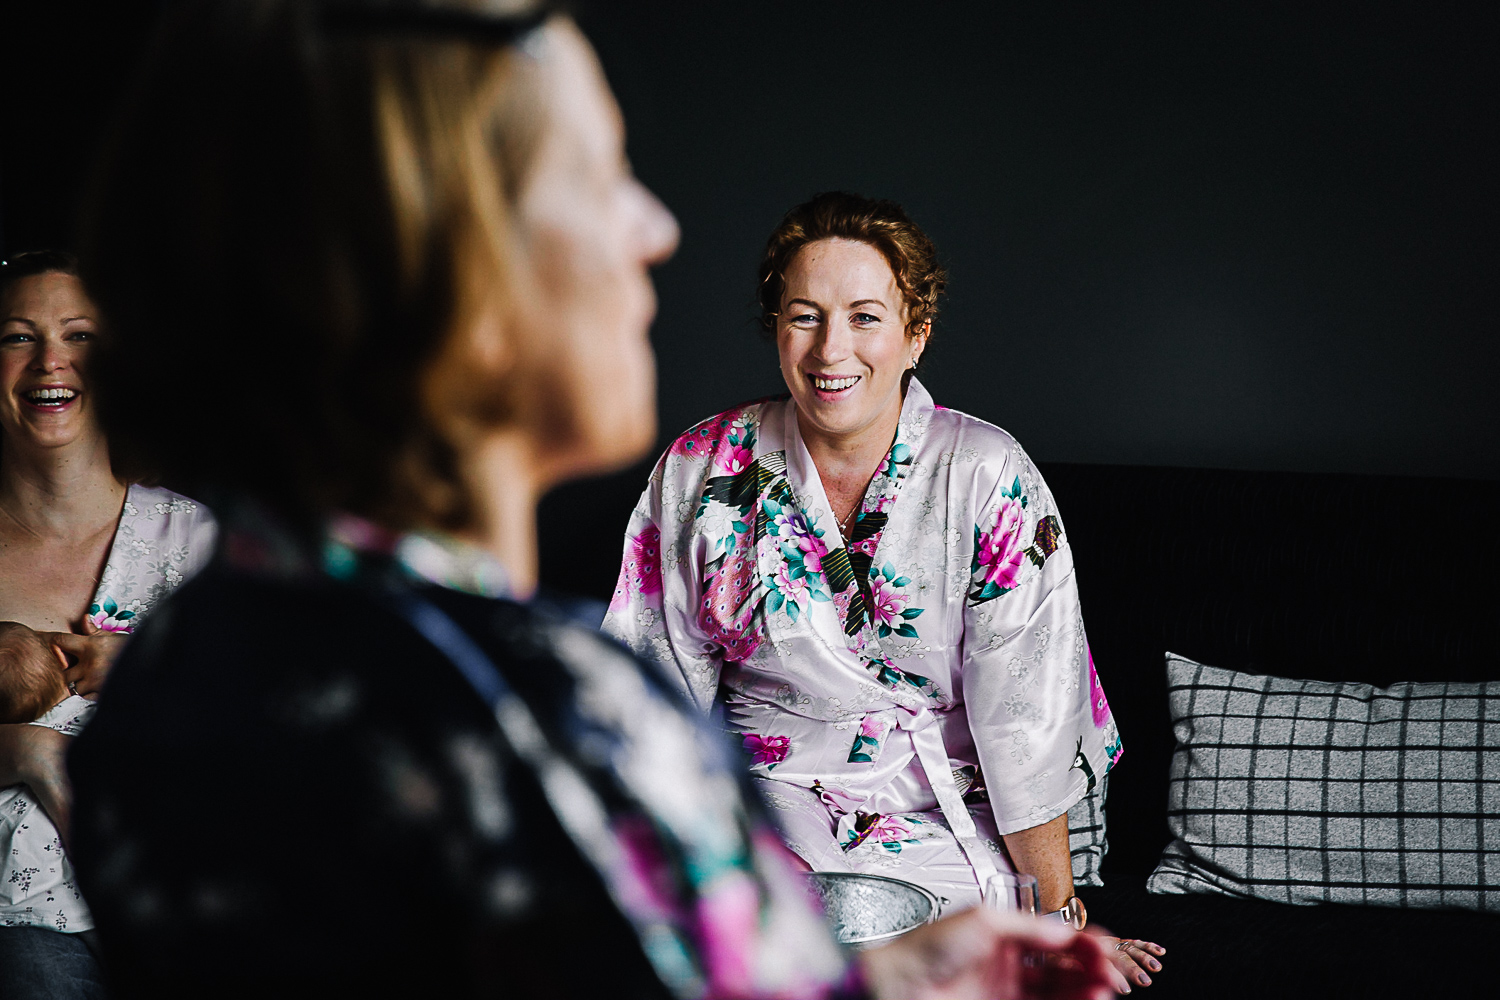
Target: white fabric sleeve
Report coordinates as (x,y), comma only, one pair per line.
(654,610)
(1025,664)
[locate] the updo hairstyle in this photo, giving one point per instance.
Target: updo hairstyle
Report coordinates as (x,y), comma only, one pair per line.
(883,225)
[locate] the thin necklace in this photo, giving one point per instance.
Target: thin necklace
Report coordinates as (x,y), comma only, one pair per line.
(846,525)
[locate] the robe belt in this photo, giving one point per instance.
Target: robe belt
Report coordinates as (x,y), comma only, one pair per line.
(927,739)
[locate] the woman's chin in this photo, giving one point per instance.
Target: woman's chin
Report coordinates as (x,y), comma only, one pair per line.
(836,418)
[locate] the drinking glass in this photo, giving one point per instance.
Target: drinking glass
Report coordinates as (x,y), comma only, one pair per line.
(1015,891)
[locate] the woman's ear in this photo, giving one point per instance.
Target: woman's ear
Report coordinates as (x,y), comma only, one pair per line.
(490,345)
(468,387)
(919,342)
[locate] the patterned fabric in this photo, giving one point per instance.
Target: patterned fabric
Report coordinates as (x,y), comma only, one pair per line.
(647,855)
(1314,792)
(161,540)
(942,638)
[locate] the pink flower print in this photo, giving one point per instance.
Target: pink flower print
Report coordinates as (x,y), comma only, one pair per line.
(794,589)
(108,616)
(733,460)
(1000,552)
(813,551)
(889,829)
(888,610)
(886,603)
(866,748)
(640,572)
(768,750)
(1098,704)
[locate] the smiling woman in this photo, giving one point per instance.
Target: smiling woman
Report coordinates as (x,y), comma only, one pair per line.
(84,555)
(879,591)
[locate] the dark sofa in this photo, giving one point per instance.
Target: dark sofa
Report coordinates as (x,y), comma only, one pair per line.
(1330,577)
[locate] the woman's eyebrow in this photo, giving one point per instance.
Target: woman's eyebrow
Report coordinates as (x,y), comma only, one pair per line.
(18,319)
(867,302)
(805,302)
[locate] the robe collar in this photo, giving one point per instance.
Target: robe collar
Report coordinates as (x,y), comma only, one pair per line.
(779,432)
(425,556)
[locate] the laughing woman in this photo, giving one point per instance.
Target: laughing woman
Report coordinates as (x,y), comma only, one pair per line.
(84,557)
(879,589)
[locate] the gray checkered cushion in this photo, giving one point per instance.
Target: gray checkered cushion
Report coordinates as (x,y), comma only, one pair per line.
(1311,792)
(1086,841)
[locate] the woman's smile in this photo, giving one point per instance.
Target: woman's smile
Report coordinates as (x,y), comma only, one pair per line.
(830,388)
(50,398)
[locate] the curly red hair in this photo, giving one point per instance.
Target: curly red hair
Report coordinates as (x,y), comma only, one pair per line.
(883,225)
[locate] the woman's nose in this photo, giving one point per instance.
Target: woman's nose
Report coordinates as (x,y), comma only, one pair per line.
(49,357)
(660,231)
(833,343)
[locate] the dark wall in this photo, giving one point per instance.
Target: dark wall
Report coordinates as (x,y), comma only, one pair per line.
(1178,234)
(1192,234)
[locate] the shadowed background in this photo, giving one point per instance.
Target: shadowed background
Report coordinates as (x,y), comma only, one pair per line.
(1223,235)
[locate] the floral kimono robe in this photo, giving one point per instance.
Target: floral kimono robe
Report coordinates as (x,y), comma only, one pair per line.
(908,694)
(162,539)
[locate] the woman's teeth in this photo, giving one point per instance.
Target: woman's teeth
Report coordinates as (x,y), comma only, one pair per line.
(50,395)
(834,384)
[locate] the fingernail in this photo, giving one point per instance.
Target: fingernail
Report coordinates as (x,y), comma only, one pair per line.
(1127,987)
(1154,965)
(1145,979)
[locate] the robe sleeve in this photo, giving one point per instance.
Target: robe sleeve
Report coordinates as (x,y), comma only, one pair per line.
(1042,729)
(655,603)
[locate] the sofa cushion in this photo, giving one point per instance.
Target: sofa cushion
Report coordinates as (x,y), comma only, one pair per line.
(1303,791)
(1086,840)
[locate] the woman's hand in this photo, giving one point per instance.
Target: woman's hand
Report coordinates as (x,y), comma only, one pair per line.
(93,653)
(36,757)
(1130,958)
(984,953)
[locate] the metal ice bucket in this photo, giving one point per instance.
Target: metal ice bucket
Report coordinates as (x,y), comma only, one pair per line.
(868,910)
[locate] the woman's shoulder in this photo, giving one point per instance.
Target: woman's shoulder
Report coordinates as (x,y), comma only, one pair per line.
(954,436)
(717,439)
(166,510)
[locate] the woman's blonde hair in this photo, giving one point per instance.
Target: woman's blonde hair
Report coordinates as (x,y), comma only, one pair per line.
(299,206)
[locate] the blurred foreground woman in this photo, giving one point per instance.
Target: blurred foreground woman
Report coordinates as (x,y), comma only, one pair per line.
(412,295)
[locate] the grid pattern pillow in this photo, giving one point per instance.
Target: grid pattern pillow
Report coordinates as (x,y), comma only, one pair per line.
(1086,841)
(1314,792)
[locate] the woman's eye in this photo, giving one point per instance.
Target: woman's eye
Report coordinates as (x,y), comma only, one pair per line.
(805,318)
(81,335)
(865,318)
(16,338)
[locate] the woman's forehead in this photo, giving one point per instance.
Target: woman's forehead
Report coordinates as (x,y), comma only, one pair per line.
(582,107)
(837,266)
(45,293)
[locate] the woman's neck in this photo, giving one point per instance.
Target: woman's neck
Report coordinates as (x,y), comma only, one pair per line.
(847,462)
(59,492)
(506,482)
